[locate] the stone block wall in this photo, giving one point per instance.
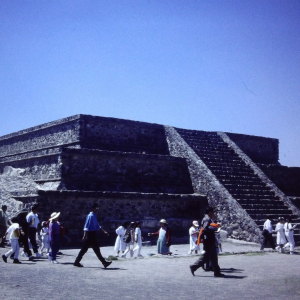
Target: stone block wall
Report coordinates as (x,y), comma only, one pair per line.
(116,208)
(286,178)
(61,132)
(94,170)
(259,149)
(123,135)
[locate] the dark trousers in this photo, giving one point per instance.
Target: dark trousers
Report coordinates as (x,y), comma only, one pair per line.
(90,242)
(2,233)
(267,237)
(24,240)
(32,238)
(209,255)
(54,246)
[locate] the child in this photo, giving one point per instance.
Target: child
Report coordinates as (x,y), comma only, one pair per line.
(45,238)
(138,239)
(130,243)
(120,245)
(14,233)
(54,234)
(194,232)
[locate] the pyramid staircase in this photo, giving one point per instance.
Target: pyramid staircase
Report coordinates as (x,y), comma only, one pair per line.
(257,199)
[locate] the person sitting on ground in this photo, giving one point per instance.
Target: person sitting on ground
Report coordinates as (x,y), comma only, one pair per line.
(14,233)
(164,238)
(281,240)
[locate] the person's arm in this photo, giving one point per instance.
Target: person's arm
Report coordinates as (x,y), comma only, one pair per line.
(105,232)
(154,233)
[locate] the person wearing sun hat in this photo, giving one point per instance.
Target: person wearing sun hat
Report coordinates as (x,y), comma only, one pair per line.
(193,232)
(54,233)
(164,238)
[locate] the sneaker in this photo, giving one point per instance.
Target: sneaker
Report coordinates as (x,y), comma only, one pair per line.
(140,255)
(190,252)
(59,253)
(16,261)
(31,258)
(4,258)
(277,248)
(123,256)
(77,264)
(38,255)
(49,256)
(292,253)
(107,263)
(54,262)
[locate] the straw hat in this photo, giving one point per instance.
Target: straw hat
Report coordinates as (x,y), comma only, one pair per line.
(163,221)
(195,223)
(54,216)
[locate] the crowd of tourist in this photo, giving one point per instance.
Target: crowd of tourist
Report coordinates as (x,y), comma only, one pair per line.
(22,230)
(285,235)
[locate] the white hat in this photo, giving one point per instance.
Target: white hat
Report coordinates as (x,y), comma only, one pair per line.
(163,221)
(54,216)
(195,223)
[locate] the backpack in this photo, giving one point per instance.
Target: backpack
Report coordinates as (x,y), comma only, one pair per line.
(127,237)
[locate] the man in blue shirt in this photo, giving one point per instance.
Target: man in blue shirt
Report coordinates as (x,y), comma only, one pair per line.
(90,239)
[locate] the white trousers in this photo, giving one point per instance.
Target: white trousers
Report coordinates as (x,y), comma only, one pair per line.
(291,242)
(14,248)
(138,248)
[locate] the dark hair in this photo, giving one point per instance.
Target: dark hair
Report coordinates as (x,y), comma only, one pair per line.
(95,205)
(125,224)
(35,206)
(289,219)
(208,209)
(4,206)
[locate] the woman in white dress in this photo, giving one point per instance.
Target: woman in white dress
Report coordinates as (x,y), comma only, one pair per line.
(281,240)
(289,234)
(120,245)
(138,239)
(193,232)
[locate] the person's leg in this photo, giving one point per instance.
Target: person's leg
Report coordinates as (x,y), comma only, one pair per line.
(55,247)
(264,242)
(2,232)
(83,250)
(26,245)
(32,238)
(205,257)
(95,246)
(271,241)
(214,262)
(17,250)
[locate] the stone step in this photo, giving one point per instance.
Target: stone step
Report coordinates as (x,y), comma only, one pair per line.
(264,206)
(257,192)
(265,211)
(260,202)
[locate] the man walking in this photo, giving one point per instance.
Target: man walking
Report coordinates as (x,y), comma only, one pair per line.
(90,239)
(267,234)
(209,246)
(33,221)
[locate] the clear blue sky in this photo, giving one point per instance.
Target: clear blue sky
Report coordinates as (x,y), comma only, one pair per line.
(209,65)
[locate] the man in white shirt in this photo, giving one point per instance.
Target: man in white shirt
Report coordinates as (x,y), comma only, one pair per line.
(267,234)
(33,221)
